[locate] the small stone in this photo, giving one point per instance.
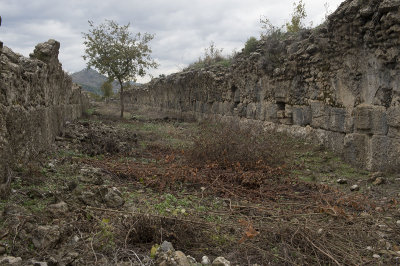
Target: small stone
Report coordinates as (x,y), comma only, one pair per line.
(341,181)
(191,259)
(75,239)
(181,259)
(370,248)
(38,263)
(166,246)
(58,209)
(379,181)
(9,260)
(221,261)
(320,231)
(112,197)
(205,260)
(398,222)
(46,236)
(376,256)
(365,215)
(355,188)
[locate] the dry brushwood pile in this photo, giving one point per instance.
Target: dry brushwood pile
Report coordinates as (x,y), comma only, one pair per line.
(114,189)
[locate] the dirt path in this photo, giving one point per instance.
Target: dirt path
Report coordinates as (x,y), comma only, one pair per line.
(114,188)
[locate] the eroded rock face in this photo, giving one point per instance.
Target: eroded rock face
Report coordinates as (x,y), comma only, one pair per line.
(36,99)
(338,84)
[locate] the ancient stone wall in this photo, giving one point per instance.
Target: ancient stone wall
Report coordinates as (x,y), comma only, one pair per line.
(36,99)
(338,84)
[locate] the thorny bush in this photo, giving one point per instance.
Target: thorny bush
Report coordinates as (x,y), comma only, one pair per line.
(232,146)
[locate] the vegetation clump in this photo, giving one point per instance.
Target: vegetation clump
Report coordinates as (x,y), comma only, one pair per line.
(230,145)
(212,57)
(250,46)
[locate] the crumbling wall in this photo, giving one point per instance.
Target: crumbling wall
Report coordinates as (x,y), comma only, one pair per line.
(36,99)
(338,84)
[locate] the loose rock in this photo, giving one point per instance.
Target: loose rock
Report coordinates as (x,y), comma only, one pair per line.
(221,261)
(112,197)
(60,208)
(205,260)
(9,260)
(379,181)
(46,236)
(181,259)
(166,246)
(355,188)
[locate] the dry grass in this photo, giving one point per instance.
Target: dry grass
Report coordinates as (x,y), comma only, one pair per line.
(240,197)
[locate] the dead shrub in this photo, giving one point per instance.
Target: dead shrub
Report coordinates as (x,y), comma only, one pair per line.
(234,146)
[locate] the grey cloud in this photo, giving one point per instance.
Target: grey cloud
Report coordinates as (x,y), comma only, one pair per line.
(182,28)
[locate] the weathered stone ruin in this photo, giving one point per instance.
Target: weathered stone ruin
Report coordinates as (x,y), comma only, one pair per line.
(36,99)
(337,84)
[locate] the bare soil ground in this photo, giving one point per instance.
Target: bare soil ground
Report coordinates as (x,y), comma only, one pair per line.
(113,188)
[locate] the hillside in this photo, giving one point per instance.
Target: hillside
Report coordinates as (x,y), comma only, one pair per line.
(91,80)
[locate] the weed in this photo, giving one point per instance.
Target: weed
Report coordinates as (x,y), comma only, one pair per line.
(229,145)
(106,236)
(89,111)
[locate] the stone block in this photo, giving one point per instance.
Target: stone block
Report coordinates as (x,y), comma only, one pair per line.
(331,140)
(259,111)
(394,132)
(320,115)
(281,94)
(270,112)
(370,119)
(286,121)
(393,162)
(362,117)
(378,158)
(226,108)
(393,116)
(215,108)
(337,119)
(349,121)
(251,110)
(280,114)
(355,150)
(301,115)
(288,110)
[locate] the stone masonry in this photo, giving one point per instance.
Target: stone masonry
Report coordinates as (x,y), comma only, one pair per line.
(36,99)
(337,84)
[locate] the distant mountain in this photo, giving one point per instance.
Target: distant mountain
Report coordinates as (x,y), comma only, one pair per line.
(91,80)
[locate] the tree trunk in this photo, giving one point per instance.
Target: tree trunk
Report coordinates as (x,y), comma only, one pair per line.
(121,94)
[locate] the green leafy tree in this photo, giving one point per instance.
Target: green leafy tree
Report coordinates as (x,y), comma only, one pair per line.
(106,89)
(250,46)
(114,51)
(298,15)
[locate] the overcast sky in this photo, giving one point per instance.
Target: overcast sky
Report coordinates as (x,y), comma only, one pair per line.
(182,28)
